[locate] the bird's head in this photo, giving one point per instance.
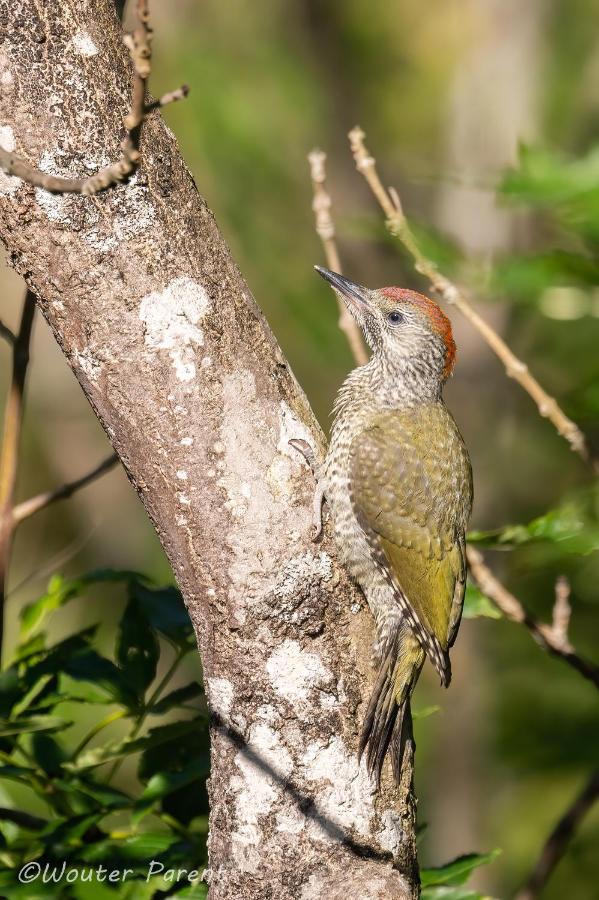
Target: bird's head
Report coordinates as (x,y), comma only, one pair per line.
(404,329)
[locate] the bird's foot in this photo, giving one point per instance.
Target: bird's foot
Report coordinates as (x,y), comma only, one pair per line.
(308,453)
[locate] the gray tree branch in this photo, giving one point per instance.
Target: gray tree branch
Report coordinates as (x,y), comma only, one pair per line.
(559,840)
(178,363)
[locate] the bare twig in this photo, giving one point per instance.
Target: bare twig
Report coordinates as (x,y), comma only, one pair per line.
(11,515)
(29,507)
(450,293)
(6,333)
(139,45)
(554,637)
(325,229)
(11,438)
(562,610)
(171,97)
(559,839)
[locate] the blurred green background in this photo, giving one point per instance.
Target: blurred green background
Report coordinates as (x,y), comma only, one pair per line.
(485,115)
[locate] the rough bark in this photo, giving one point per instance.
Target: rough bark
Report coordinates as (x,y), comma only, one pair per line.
(178,363)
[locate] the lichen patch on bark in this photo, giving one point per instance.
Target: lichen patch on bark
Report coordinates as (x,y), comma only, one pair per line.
(83,44)
(8,183)
(220,696)
(295,672)
(303,570)
(172,322)
(258,787)
(346,794)
(88,363)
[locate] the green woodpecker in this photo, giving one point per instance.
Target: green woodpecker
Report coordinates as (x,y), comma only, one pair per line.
(398,482)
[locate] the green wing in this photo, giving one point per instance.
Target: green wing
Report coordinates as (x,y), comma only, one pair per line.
(411,489)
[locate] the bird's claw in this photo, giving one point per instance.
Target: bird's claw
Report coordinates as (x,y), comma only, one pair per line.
(307,452)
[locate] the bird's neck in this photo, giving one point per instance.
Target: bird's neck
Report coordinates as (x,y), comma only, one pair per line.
(377,386)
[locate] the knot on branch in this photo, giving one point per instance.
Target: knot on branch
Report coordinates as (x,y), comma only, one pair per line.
(516,368)
(317,159)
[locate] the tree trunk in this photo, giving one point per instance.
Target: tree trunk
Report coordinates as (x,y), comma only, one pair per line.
(178,363)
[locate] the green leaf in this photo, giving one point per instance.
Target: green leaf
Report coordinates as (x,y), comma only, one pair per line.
(11,888)
(57,594)
(477,604)
(61,590)
(138,848)
(568,188)
(30,646)
(131,889)
(525,278)
(166,613)
(457,871)
(75,691)
(425,712)
(71,830)
(53,660)
(33,723)
(164,783)
(177,698)
(10,690)
(22,774)
(197,891)
(573,526)
(31,695)
(89,666)
(104,796)
(47,753)
(174,752)
(154,738)
(447,892)
(137,649)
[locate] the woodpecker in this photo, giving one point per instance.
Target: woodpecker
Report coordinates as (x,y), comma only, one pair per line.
(398,483)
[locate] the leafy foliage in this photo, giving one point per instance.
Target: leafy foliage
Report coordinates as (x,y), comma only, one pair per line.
(447,882)
(477,604)
(561,278)
(67,804)
(574,526)
(569,188)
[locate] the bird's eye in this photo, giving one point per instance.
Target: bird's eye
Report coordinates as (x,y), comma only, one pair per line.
(395,317)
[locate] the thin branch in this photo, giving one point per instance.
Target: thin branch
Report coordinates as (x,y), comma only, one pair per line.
(120,8)
(562,611)
(111,717)
(6,333)
(11,439)
(325,229)
(514,367)
(139,45)
(29,507)
(166,99)
(553,638)
(559,839)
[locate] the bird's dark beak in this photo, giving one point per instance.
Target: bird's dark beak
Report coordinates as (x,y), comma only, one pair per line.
(355,293)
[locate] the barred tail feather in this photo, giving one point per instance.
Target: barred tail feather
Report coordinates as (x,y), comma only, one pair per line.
(388,721)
